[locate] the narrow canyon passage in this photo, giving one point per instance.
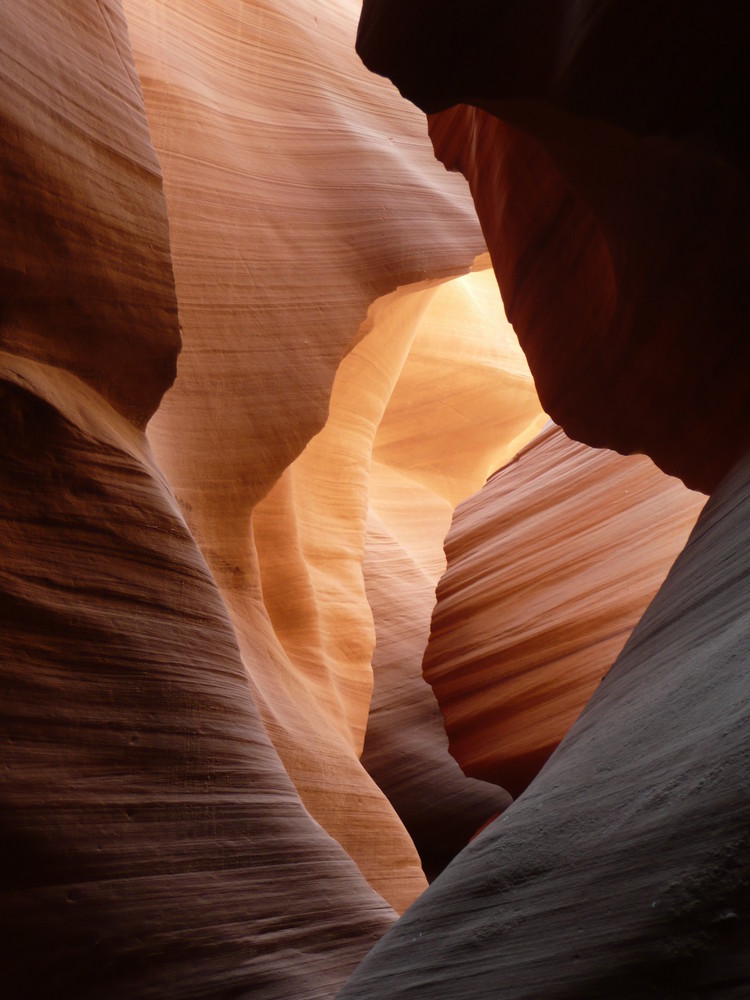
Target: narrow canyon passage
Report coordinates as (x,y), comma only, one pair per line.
(301,585)
(435,397)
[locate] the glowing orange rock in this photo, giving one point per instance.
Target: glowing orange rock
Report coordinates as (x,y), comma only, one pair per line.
(431,398)
(291,176)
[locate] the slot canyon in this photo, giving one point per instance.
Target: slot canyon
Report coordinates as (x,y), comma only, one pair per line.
(375,499)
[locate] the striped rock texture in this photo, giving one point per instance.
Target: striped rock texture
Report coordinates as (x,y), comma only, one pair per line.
(623,870)
(221,772)
(429,402)
(184,810)
(153,844)
(550,566)
(281,183)
(84,241)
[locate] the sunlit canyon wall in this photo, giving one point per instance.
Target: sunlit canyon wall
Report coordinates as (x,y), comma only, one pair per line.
(253,357)
(606,148)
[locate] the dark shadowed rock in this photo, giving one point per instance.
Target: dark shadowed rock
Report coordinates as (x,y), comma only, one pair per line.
(151,843)
(624,870)
(608,154)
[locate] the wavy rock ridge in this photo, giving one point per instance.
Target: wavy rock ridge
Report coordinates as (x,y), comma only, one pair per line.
(550,566)
(144,804)
(85,869)
(623,870)
(606,150)
(191,685)
(379,483)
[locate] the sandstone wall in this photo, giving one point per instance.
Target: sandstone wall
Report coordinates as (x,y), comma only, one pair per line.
(550,566)
(215,597)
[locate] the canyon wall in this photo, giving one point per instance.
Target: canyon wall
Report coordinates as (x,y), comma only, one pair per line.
(290,212)
(249,364)
(623,870)
(550,566)
(606,148)
(155,840)
(153,843)
(607,154)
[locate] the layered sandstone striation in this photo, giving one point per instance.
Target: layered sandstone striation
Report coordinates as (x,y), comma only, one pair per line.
(291,209)
(464,403)
(153,844)
(85,271)
(155,840)
(623,869)
(378,484)
(200,641)
(550,566)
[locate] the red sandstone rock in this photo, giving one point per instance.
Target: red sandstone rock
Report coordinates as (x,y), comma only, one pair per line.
(609,169)
(406,749)
(299,189)
(623,870)
(152,843)
(463,399)
(349,547)
(550,566)
(613,280)
(85,271)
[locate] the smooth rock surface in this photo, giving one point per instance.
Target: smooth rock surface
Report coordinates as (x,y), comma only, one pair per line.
(152,843)
(624,870)
(406,748)
(85,270)
(550,567)
(300,188)
(462,403)
(187,675)
(349,542)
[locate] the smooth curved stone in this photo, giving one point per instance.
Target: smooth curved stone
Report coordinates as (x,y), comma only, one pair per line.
(86,277)
(300,188)
(152,842)
(624,869)
(550,566)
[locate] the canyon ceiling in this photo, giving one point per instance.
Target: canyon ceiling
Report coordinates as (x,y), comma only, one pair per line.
(320,556)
